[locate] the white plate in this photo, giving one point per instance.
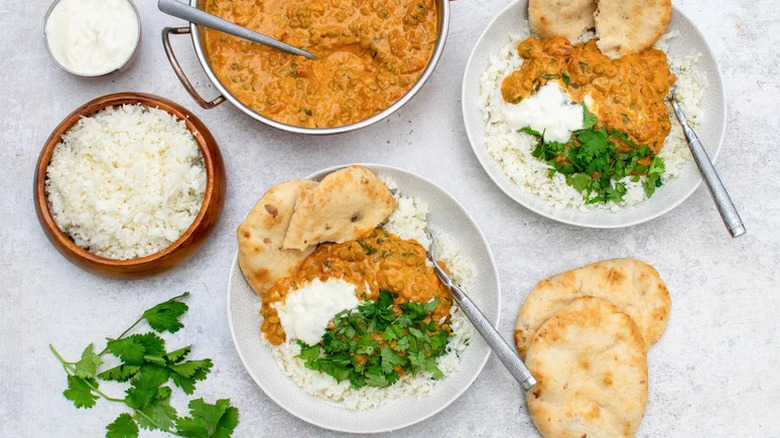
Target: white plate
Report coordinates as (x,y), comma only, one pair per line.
(689,41)
(446,215)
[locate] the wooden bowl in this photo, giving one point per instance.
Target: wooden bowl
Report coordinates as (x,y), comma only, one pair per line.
(179,250)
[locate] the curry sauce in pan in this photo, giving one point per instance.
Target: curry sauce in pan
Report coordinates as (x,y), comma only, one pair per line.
(369,54)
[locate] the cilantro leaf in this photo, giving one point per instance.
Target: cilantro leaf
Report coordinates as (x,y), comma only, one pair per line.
(579,181)
(187,384)
(145,386)
(158,414)
(653,180)
(165,316)
(86,367)
(565,78)
(391,359)
(208,421)
(121,373)
(430,366)
(189,368)
(588,118)
(123,427)
(530,131)
(177,356)
(80,391)
(136,349)
(594,143)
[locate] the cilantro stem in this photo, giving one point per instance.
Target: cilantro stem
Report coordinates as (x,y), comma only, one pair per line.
(129,329)
(69,369)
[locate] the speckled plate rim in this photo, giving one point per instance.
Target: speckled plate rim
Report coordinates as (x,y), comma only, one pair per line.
(480,54)
(479,349)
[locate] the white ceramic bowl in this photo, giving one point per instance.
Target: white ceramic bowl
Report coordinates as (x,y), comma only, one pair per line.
(689,41)
(446,215)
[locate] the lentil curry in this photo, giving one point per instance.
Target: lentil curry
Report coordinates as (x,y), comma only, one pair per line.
(377,261)
(627,93)
(369,54)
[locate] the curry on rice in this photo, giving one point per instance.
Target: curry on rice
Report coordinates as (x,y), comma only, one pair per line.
(377,261)
(368,55)
(626,94)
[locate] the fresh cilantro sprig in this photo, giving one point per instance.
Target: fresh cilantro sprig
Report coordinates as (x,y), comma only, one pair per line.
(375,346)
(149,367)
(593,164)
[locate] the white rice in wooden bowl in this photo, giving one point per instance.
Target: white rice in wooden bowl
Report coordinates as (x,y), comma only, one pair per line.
(408,221)
(126,182)
(512,149)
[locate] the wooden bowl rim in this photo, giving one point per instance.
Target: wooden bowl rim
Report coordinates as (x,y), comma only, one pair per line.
(204,139)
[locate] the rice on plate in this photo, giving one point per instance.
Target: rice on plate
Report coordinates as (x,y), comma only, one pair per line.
(512,149)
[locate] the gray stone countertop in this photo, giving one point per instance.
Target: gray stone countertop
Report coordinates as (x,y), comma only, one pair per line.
(714,373)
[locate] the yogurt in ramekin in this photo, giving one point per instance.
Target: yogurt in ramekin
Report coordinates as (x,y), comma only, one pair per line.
(92,37)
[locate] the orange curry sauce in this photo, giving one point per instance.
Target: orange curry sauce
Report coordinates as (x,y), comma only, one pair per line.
(379,260)
(627,93)
(369,54)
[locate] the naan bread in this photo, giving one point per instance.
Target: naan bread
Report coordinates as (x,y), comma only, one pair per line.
(344,206)
(260,254)
(630,26)
(633,286)
(569,18)
(589,361)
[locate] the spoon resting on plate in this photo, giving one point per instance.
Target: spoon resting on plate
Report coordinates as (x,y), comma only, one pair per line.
(194,15)
(507,354)
(728,212)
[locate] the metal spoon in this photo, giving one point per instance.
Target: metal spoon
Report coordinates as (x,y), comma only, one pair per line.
(728,212)
(195,15)
(506,353)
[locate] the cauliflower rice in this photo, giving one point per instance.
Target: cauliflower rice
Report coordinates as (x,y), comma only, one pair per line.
(408,221)
(512,149)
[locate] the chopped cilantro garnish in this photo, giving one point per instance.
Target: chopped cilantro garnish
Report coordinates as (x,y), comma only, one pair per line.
(373,346)
(594,164)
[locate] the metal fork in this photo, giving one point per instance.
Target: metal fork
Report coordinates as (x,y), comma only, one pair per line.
(728,212)
(506,353)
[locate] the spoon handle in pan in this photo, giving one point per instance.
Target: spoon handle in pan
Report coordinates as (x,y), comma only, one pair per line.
(194,15)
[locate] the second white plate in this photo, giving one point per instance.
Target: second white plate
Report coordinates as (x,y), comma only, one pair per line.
(689,41)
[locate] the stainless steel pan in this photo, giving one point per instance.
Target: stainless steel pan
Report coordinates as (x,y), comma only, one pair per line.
(196,33)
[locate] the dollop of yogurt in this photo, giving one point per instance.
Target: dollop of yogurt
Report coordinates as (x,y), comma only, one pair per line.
(306,312)
(549,111)
(92,37)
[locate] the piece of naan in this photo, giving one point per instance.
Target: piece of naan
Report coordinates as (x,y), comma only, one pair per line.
(591,370)
(632,285)
(343,206)
(261,256)
(569,18)
(630,26)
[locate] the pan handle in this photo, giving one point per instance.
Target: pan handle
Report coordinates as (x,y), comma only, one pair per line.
(166,38)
